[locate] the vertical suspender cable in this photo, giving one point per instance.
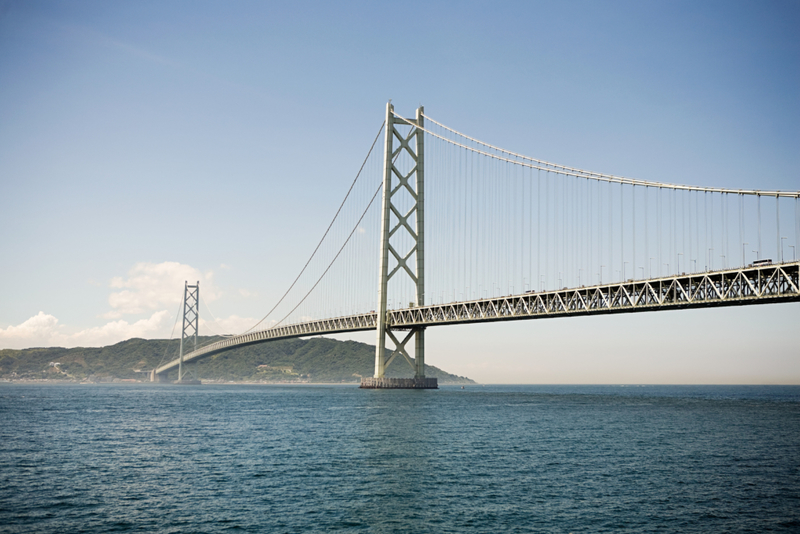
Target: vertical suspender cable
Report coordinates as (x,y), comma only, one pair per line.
(726,246)
(538,229)
(758,200)
(690,249)
(633,228)
(562,227)
(587,267)
(779,249)
(508,234)
(682,195)
(576,231)
(659,227)
(469,216)
(557,218)
(521,222)
(705,220)
(565,230)
(697,227)
(621,236)
(711,252)
(670,228)
(546,228)
(646,234)
(674,196)
(741,225)
(569,199)
(523,226)
(579,218)
(589,233)
(600,231)
(463,223)
(723,230)
(610,230)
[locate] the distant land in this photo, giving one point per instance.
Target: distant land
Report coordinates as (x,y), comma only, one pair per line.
(315,360)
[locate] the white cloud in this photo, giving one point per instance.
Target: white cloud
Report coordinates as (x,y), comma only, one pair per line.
(116,331)
(37,331)
(44,330)
(151,286)
(153,290)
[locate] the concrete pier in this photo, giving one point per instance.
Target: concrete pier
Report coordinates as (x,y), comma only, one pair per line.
(155,377)
(399,383)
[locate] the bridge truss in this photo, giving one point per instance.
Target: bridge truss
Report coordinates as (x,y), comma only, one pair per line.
(732,287)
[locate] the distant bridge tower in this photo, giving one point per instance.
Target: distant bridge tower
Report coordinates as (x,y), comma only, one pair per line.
(410,263)
(191,318)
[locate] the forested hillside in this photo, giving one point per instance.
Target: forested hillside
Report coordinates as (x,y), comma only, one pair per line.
(292,360)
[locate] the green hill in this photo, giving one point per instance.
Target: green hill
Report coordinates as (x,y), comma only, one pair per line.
(293,360)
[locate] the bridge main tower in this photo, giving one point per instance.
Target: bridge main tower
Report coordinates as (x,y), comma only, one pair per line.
(191,322)
(398,218)
(189,332)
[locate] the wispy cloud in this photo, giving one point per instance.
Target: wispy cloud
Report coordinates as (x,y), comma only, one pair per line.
(150,286)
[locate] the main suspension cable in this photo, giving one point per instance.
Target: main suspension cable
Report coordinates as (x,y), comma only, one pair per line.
(334,258)
(214,319)
(580,173)
(323,236)
(166,349)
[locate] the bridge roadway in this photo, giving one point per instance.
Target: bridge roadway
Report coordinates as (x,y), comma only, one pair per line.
(732,287)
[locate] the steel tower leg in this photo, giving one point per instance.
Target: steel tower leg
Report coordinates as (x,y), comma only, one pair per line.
(393,220)
(419,335)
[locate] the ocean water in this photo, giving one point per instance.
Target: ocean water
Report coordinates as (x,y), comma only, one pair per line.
(224,458)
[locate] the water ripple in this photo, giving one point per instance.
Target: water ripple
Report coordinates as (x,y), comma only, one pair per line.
(141,458)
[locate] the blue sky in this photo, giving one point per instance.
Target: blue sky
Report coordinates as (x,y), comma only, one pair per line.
(144,143)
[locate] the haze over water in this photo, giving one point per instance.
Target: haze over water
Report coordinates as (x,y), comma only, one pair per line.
(149,458)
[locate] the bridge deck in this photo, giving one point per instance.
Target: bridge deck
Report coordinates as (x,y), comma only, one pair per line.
(733,287)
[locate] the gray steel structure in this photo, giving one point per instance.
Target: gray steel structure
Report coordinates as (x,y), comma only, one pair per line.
(351,323)
(732,287)
(191,320)
(412,182)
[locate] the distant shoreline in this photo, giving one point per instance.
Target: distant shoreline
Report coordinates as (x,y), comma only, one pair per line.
(209,382)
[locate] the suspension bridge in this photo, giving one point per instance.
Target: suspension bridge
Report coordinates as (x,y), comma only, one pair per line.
(467,232)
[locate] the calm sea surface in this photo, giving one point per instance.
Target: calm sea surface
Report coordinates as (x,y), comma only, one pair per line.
(213,458)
